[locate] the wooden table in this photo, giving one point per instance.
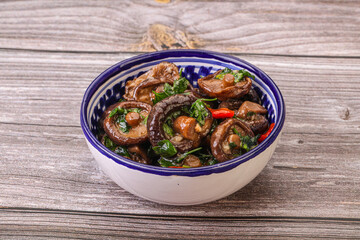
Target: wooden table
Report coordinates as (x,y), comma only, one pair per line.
(50,51)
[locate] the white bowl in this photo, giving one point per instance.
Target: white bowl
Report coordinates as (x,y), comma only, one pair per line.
(174,186)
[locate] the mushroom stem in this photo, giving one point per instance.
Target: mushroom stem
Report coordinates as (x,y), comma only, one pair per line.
(186,127)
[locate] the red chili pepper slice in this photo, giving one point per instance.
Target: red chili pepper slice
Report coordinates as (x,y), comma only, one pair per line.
(222,113)
(265,135)
(174,167)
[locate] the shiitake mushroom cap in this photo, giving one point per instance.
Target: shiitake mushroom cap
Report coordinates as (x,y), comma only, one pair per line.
(115,134)
(221,133)
(164,108)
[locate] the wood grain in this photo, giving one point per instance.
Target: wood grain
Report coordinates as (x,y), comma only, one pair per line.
(326,28)
(95,225)
(315,166)
(50,51)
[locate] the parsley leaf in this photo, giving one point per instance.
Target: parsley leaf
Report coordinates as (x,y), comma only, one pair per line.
(168,130)
(206,159)
(122,151)
(247,142)
(109,144)
(184,155)
(199,111)
(145,119)
(179,86)
(121,122)
(117,111)
(239,75)
(165,148)
(232,145)
(164,162)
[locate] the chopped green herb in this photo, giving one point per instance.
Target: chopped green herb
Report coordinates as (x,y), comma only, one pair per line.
(171,117)
(184,155)
(122,151)
(164,162)
(239,75)
(109,144)
(117,111)
(199,111)
(213,125)
(232,145)
(179,86)
(247,142)
(206,159)
(121,122)
(145,119)
(185,110)
(250,113)
(168,130)
(137,110)
(159,96)
(212,162)
(165,148)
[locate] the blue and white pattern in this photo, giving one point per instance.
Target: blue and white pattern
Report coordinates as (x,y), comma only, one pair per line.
(109,87)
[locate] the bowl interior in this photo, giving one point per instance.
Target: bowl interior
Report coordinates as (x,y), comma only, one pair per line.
(109,87)
(193,69)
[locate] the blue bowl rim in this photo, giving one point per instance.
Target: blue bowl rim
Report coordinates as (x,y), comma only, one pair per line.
(190,172)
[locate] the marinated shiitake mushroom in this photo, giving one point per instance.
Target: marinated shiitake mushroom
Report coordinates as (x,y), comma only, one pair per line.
(226,86)
(225,140)
(251,96)
(138,154)
(232,104)
(192,161)
(252,114)
(125,124)
(169,119)
(187,126)
(140,89)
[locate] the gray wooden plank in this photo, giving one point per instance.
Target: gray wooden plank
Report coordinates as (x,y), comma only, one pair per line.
(45,162)
(41,224)
(266,27)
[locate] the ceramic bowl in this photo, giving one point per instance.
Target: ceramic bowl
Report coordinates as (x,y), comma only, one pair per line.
(174,186)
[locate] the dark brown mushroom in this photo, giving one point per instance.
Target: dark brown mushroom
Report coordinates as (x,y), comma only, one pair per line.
(222,89)
(232,104)
(144,91)
(258,123)
(140,89)
(248,108)
(251,96)
(251,113)
(183,139)
(192,161)
(222,136)
(136,134)
(138,154)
